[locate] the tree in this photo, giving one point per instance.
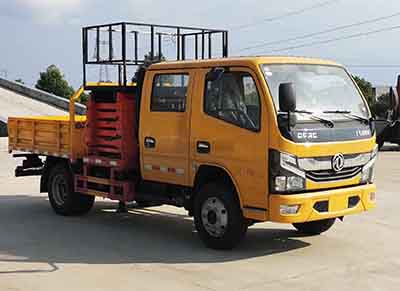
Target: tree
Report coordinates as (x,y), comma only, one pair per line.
(382,106)
(148,61)
(53,81)
(84,98)
(366,88)
(20,81)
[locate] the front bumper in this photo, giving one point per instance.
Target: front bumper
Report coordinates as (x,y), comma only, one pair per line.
(338,204)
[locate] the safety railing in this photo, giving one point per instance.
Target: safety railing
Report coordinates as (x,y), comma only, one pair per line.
(128,45)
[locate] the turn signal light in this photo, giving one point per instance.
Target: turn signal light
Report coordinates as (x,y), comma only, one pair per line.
(289,209)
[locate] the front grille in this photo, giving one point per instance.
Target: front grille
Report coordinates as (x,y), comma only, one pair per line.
(329,175)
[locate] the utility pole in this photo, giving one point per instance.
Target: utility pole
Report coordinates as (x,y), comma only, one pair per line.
(4,73)
(103,73)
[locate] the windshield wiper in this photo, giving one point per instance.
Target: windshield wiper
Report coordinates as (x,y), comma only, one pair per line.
(325,121)
(348,114)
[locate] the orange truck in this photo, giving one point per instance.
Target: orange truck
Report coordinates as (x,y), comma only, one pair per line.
(235,141)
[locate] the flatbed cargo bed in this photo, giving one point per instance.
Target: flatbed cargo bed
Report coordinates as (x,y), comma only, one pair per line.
(47,135)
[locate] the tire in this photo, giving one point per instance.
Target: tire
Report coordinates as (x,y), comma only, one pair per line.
(315,227)
(218,217)
(61,196)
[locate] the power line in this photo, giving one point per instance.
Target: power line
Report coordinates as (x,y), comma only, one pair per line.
(357,35)
(290,13)
(337,28)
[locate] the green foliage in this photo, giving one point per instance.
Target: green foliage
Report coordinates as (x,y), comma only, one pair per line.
(53,81)
(20,81)
(366,88)
(382,106)
(84,98)
(148,61)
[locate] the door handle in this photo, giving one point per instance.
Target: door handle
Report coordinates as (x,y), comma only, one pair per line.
(149,142)
(203,147)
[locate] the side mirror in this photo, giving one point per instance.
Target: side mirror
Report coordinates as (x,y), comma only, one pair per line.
(287,97)
(215,74)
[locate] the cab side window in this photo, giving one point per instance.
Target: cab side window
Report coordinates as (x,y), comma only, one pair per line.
(169,93)
(234,98)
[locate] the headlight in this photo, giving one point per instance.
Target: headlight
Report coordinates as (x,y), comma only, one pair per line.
(368,171)
(280,183)
(285,175)
(294,183)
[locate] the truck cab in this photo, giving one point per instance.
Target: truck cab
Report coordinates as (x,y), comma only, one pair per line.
(233,140)
(220,123)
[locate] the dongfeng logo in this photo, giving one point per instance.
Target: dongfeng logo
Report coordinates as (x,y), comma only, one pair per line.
(307,135)
(338,162)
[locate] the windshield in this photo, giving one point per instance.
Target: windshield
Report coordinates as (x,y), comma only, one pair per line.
(318,88)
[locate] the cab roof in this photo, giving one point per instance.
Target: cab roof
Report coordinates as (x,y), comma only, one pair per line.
(239,61)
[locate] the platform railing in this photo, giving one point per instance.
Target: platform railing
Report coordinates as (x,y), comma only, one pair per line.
(119,44)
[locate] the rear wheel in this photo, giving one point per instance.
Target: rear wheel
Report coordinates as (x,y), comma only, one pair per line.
(63,199)
(315,227)
(218,216)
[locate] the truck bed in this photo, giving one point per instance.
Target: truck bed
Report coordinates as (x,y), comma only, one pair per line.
(47,135)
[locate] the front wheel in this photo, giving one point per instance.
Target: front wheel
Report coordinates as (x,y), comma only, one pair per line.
(218,217)
(315,227)
(63,199)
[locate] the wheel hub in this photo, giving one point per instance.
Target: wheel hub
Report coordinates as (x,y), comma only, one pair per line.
(214,217)
(60,189)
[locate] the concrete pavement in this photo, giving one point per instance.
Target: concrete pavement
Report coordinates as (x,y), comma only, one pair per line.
(157,248)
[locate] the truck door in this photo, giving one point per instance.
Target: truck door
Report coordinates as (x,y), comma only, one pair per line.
(165,126)
(230,131)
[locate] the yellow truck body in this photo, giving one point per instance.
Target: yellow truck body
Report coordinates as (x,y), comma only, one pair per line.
(46,135)
(240,153)
(233,140)
(243,154)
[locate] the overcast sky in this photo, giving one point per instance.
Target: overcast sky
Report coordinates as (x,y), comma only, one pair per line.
(38,33)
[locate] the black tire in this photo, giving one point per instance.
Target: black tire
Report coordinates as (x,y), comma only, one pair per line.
(233,225)
(315,227)
(61,196)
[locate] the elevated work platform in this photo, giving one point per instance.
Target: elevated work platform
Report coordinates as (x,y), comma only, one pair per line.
(119,48)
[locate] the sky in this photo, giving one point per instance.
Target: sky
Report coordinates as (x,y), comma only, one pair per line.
(38,33)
